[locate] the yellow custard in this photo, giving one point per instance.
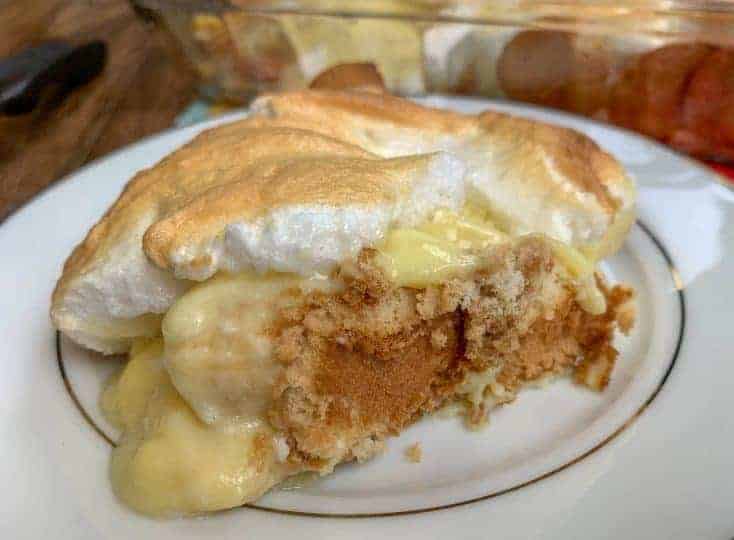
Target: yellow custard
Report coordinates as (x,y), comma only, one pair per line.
(450,245)
(442,248)
(168,461)
(216,350)
(147,325)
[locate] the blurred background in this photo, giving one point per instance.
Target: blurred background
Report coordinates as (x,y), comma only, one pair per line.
(80,78)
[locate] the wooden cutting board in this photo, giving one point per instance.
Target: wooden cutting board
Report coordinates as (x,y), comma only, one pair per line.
(144,86)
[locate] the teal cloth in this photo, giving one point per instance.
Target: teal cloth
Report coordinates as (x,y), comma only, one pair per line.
(196,112)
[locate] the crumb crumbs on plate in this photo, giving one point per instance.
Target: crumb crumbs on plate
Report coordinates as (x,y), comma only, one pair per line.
(414,453)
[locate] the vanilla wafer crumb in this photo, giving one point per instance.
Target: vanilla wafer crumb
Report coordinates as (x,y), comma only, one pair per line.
(414,453)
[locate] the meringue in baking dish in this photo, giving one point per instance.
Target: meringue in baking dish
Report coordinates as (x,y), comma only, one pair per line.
(296,287)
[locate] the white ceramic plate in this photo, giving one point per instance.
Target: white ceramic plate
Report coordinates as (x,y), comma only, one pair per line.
(651,457)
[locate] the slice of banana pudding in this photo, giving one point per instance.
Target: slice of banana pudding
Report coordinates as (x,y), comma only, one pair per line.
(297,287)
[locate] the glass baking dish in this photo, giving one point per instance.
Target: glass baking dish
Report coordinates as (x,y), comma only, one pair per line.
(663,68)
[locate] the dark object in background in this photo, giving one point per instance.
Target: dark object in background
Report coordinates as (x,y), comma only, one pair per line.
(47,72)
(563,70)
(682,95)
(358,76)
